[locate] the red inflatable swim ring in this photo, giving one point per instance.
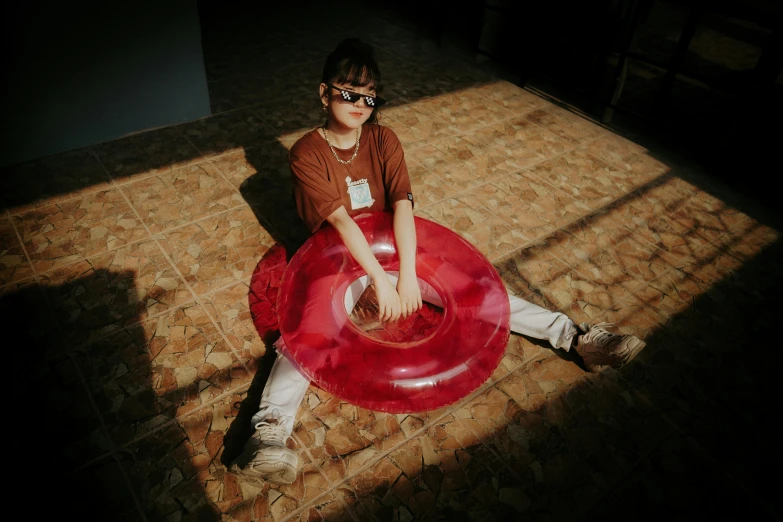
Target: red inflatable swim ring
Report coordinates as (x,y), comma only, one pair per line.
(425,374)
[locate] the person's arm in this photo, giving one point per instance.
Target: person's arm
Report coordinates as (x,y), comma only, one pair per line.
(356,243)
(405,237)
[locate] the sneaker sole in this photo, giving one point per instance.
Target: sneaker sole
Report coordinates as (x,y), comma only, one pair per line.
(637,347)
(274,472)
(635,350)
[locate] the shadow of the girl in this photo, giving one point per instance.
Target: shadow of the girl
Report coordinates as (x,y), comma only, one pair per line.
(262,300)
(269,193)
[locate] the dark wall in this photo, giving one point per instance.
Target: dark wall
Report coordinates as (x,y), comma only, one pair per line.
(79,73)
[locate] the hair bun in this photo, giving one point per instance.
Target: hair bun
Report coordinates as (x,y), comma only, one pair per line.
(356,45)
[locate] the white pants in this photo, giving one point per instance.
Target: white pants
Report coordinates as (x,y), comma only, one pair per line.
(287,385)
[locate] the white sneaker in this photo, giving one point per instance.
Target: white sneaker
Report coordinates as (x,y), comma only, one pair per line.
(600,348)
(266,456)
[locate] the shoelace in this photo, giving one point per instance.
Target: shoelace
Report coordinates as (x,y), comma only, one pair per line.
(272,434)
(599,335)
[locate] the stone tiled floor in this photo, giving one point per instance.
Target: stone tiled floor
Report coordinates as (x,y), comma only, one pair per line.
(124,273)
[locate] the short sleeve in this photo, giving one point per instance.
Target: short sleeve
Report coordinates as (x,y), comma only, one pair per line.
(315,196)
(395,176)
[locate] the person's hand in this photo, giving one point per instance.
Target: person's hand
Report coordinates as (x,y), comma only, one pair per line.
(388,300)
(410,294)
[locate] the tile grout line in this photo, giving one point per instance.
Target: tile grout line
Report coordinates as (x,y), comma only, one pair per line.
(525,365)
(24,249)
(173,265)
(529,167)
(562,228)
(70,196)
(117,186)
(266,226)
(673,269)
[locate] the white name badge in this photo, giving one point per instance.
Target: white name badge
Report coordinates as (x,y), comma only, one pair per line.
(359,192)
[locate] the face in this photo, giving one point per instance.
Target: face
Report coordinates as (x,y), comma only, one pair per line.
(341,110)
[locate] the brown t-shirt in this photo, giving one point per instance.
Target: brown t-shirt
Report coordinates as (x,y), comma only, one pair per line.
(374,181)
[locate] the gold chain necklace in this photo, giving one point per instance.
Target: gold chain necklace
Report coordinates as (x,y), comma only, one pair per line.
(334,153)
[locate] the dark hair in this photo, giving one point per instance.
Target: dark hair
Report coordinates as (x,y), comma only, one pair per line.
(353,62)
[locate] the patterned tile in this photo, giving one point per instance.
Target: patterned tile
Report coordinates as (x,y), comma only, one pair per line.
(59,234)
(415,128)
(438,473)
(148,374)
(341,437)
(750,239)
(710,218)
(585,178)
(629,156)
(463,147)
(146,153)
(512,97)
(171,199)
(178,470)
(218,250)
(631,317)
(493,236)
(522,143)
(227,132)
(603,251)
(432,156)
(525,203)
(263,179)
(567,125)
(578,296)
(428,189)
(262,167)
(526,271)
(661,227)
(232,313)
(464,110)
(460,213)
(41,182)
(14,265)
(99,295)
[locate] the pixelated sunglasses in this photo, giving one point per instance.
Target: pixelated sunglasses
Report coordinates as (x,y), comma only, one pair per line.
(371,101)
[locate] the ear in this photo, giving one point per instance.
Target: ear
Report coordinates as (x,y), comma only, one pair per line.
(324,97)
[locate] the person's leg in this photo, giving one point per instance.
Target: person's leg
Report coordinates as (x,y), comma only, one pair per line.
(283,392)
(266,455)
(532,320)
(596,345)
